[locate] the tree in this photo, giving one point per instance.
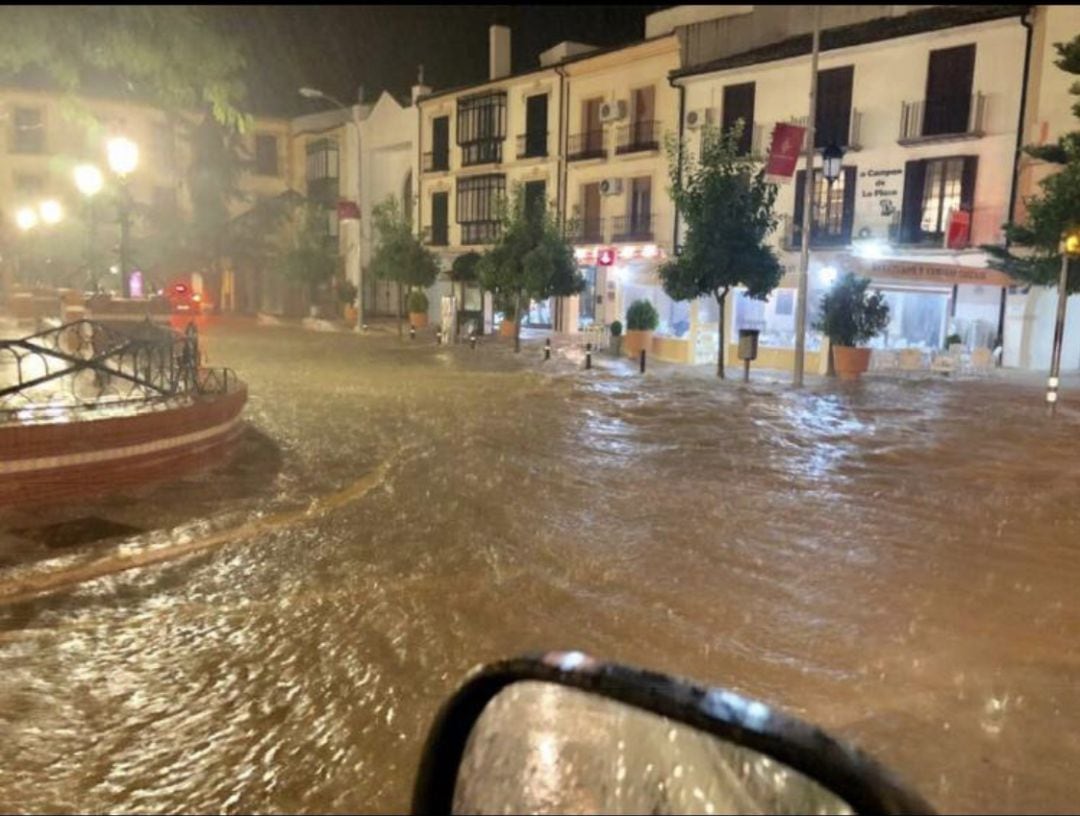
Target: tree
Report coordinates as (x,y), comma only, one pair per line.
(728,209)
(849,315)
(530,259)
(399,255)
(308,259)
(1053,212)
(171,56)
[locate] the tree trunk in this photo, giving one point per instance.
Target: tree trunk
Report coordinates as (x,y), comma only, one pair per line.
(400,298)
(721,298)
(517,324)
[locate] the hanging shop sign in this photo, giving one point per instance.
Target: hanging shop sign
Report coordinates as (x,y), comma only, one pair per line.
(950,274)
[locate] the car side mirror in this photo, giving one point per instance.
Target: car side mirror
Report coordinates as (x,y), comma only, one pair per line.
(564,733)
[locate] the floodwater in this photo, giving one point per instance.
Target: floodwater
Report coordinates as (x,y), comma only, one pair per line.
(897,562)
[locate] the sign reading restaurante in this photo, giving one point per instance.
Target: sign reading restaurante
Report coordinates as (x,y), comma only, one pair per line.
(928,272)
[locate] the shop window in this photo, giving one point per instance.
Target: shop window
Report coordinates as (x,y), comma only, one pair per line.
(774,318)
(674,314)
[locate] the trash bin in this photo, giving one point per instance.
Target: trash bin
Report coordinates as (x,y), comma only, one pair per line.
(748,349)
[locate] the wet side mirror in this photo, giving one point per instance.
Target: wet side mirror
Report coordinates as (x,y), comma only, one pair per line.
(562,733)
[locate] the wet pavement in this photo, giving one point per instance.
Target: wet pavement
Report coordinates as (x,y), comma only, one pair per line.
(896,561)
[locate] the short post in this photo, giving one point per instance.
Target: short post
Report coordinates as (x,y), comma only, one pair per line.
(588,356)
(643,361)
(472,342)
(547,349)
(412,332)
(438,337)
(363,327)
(1054,381)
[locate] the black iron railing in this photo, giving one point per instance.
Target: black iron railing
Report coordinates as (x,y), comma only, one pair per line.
(636,227)
(90,365)
(436,162)
(638,136)
(480,232)
(485,151)
(588,145)
(948,117)
(532,145)
(588,230)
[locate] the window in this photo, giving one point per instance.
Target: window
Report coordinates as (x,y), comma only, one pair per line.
(440,143)
(785,302)
(832,121)
(832,209)
(739,104)
(266,154)
(481,128)
(535,201)
(641,134)
(592,227)
(638,222)
(949,78)
(934,188)
(478,207)
(536,117)
(440,227)
(321,171)
(28,185)
(28,131)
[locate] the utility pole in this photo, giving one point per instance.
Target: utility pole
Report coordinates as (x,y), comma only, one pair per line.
(808,191)
(1070,245)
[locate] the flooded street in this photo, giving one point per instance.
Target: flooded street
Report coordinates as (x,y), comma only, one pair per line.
(898,562)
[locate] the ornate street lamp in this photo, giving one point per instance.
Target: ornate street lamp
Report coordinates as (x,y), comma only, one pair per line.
(123,155)
(832,158)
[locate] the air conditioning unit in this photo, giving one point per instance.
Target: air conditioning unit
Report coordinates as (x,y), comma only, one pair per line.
(613,111)
(611,186)
(699,117)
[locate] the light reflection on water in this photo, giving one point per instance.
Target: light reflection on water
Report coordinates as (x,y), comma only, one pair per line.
(895,561)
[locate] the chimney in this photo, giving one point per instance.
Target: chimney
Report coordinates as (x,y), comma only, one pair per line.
(420,89)
(498,52)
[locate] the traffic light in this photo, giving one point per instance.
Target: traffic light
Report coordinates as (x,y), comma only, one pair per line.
(1072,241)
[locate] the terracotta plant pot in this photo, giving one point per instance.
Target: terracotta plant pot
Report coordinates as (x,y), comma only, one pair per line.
(850,362)
(636,340)
(418,320)
(506,328)
(350,315)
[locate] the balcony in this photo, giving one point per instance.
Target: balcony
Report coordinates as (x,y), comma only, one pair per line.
(853,140)
(588,145)
(437,235)
(588,230)
(532,145)
(942,120)
(437,162)
(479,232)
(486,151)
(790,235)
(637,227)
(637,137)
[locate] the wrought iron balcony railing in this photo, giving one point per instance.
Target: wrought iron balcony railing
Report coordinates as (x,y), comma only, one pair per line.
(634,227)
(589,230)
(532,145)
(638,136)
(946,119)
(479,232)
(588,145)
(436,162)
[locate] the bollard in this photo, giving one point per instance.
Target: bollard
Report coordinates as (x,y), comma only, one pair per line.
(472,342)
(438,337)
(746,371)
(643,361)
(588,356)
(364,327)
(412,332)
(547,349)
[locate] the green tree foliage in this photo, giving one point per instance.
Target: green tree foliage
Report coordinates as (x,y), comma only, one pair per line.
(171,56)
(642,316)
(850,316)
(728,208)
(1052,212)
(530,259)
(399,255)
(308,258)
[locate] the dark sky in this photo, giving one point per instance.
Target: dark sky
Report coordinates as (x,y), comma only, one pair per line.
(337,48)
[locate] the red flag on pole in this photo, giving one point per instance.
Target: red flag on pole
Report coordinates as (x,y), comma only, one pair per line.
(348,210)
(787,141)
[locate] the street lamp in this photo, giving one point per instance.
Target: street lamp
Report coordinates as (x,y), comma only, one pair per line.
(89,180)
(123,156)
(51,211)
(1070,248)
(26,218)
(315,93)
(832,159)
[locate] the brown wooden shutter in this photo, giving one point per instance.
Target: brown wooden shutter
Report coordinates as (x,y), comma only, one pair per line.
(967,183)
(739,104)
(848,219)
(800,193)
(832,119)
(949,77)
(911,214)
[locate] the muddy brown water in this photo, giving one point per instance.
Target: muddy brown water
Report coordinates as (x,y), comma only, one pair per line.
(896,561)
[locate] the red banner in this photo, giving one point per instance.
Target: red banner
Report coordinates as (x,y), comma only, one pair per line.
(348,210)
(787,141)
(959,229)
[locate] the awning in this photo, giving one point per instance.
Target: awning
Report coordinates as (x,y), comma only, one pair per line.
(909,271)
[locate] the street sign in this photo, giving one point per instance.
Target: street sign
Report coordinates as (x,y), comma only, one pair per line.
(787,141)
(605,257)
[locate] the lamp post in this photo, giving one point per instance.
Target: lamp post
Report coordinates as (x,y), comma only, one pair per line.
(1070,248)
(123,156)
(89,181)
(832,163)
(315,93)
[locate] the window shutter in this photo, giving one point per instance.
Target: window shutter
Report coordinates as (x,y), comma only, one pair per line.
(848,219)
(967,183)
(911,214)
(800,193)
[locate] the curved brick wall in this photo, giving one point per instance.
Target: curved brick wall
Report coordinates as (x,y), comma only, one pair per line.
(53,462)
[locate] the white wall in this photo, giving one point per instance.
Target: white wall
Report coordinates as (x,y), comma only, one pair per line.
(1029,330)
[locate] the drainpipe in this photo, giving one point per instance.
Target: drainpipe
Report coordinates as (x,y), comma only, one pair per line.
(1014,189)
(682,117)
(560,170)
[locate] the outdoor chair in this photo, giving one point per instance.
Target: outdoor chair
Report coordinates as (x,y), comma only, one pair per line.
(981,362)
(884,361)
(911,361)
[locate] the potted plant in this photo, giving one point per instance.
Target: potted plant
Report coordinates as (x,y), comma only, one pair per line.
(616,337)
(509,310)
(418,309)
(347,292)
(850,316)
(641,321)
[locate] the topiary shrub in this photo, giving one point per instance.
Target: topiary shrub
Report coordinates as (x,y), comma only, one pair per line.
(642,316)
(418,302)
(616,328)
(850,316)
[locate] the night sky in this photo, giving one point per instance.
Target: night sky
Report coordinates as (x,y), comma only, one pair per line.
(337,48)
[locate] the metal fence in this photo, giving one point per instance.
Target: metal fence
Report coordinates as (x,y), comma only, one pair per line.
(87,365)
